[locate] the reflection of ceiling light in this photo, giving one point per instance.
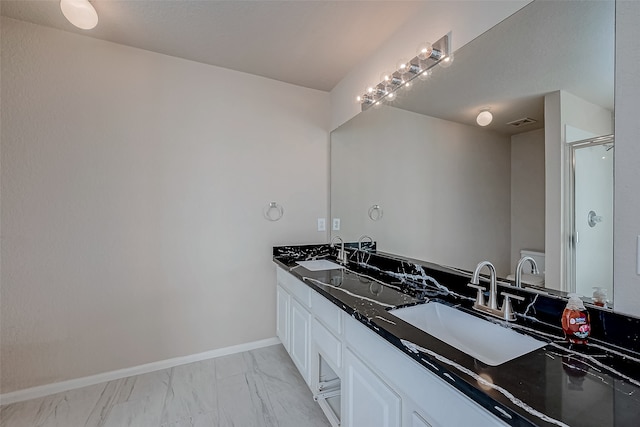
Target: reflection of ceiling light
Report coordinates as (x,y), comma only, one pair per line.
(484,118)
(485,381)
(447,61)
(80,13)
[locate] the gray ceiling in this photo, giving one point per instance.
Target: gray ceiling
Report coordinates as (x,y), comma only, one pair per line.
(308,43)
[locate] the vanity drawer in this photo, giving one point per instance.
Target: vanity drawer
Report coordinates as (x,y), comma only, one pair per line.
(327,343)
(295,287)
(327,312)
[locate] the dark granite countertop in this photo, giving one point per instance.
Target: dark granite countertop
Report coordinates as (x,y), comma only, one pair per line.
(559,384)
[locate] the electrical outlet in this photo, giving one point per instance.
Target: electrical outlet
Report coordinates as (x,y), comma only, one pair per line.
(336,224)
(322,226)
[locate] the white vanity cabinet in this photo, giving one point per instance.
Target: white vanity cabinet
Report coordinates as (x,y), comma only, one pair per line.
(367,399)
(380,386)
(294,321)
(300,339)
(417,421)
(283,299)
(427,400)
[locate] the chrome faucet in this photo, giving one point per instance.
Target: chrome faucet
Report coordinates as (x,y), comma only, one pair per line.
(534,269)
(493,290)
(506,312)
(362,239)
(342,255)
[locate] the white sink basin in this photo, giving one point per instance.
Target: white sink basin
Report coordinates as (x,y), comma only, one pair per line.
(319,265)
(488,342)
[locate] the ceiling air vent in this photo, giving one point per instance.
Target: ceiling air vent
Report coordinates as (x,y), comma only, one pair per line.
(522,122)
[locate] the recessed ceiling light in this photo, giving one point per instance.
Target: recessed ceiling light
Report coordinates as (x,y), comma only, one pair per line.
(80,13)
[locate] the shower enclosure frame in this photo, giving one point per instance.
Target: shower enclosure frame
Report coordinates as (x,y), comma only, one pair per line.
(571,217)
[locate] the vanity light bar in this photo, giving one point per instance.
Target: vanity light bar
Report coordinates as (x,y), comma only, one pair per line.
(427,58)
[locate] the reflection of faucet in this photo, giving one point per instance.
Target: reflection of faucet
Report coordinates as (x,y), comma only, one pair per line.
(506,312)
(362,239)
(534,269)
(342,255)
(337,279)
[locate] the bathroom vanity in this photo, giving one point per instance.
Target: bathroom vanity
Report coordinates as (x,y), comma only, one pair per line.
(368,367)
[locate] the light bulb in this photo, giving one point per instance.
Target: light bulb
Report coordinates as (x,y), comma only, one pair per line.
(484,118)
(424,50)
(385,77)
(403,66)
(390,95)
(446,61)
(365,99)
(80,13)
(406,67)
(425,75)
(396,80)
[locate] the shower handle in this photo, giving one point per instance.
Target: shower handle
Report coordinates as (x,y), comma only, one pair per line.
(593,219)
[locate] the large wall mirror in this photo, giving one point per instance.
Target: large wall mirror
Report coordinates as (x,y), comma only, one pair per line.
(421,177)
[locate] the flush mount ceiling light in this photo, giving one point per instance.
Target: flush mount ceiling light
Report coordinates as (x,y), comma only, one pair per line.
(80,13)
(484,117)
(428,56)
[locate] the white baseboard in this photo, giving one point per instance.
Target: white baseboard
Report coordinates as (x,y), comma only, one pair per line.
(47,389)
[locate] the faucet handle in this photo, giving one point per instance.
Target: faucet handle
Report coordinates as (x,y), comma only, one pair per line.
(510,295)
(507,308)
(480,295)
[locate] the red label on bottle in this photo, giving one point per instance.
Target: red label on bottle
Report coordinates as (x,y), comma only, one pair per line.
(575,324)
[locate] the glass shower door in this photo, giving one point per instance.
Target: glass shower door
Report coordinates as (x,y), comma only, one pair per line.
(593,215)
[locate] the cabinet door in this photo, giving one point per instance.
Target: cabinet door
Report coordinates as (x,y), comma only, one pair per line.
(300,336)
(282,316)
(418,421)
(368,401)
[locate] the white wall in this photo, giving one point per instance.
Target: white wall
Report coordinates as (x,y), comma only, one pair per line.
(418,168)
(465,19)
(627,158)
(133,186)
(527,193)
(580,114)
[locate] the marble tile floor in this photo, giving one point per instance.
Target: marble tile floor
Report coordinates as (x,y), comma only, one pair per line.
(256,388)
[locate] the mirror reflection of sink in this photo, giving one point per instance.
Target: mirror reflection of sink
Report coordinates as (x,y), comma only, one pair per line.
(488,342)
(319,265)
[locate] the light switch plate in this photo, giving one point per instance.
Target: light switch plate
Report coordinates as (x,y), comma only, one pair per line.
(322,226)
(336,224)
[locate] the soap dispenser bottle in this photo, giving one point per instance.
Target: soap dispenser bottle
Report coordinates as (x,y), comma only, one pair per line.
(575,321)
